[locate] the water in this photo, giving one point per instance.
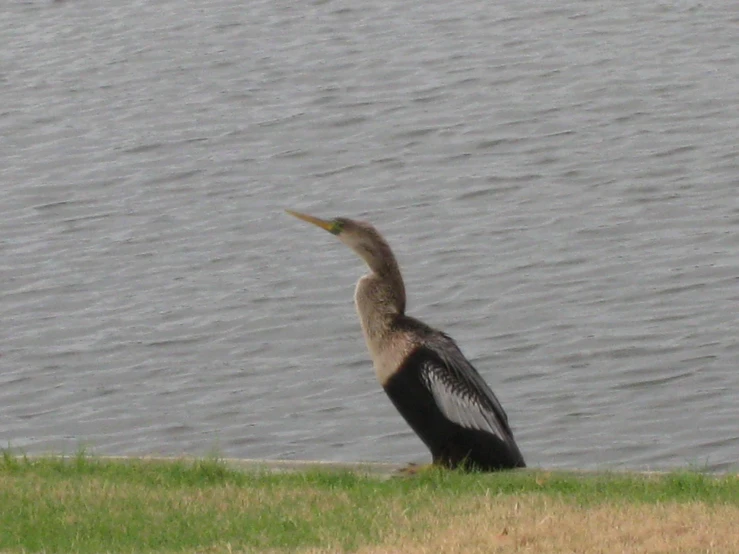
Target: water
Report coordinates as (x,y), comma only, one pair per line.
(559,183)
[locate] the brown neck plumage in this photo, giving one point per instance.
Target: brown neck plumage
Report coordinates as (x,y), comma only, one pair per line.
(380,299)
(380,296)
(388,290)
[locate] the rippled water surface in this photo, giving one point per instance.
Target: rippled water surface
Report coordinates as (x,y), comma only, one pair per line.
(560,182)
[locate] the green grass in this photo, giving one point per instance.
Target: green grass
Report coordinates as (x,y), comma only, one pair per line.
(86,504)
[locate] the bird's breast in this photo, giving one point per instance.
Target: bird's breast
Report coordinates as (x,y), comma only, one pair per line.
(388,354)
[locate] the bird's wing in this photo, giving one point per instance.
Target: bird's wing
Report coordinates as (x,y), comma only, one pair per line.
(461,393)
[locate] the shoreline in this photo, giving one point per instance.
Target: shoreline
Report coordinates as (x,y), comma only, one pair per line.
(380,469)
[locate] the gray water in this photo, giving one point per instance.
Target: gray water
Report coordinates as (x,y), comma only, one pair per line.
(560,182)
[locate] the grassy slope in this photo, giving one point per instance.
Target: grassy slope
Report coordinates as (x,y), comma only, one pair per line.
(90,505)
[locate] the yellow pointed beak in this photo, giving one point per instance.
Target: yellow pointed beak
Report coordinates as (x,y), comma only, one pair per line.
(322,223)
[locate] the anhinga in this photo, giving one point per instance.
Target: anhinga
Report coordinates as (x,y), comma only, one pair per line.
(434,387)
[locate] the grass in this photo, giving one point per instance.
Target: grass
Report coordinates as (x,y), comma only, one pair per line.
(86,504)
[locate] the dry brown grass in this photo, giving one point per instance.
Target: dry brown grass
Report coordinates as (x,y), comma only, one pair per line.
(537,524)
(526,523)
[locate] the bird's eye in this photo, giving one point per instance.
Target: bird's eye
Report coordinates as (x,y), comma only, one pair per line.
(336,227)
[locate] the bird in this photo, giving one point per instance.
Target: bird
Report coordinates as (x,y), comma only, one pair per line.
(430,382)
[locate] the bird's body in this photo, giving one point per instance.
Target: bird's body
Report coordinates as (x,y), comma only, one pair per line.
(433,386)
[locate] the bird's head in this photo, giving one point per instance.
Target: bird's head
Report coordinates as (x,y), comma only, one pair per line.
(361,237)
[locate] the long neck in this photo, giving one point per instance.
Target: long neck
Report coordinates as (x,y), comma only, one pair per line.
(379,300)
(384,291)
(390,289)
(379,297)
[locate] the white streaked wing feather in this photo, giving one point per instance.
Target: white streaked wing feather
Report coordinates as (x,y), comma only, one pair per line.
(454,399)
(465,372)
